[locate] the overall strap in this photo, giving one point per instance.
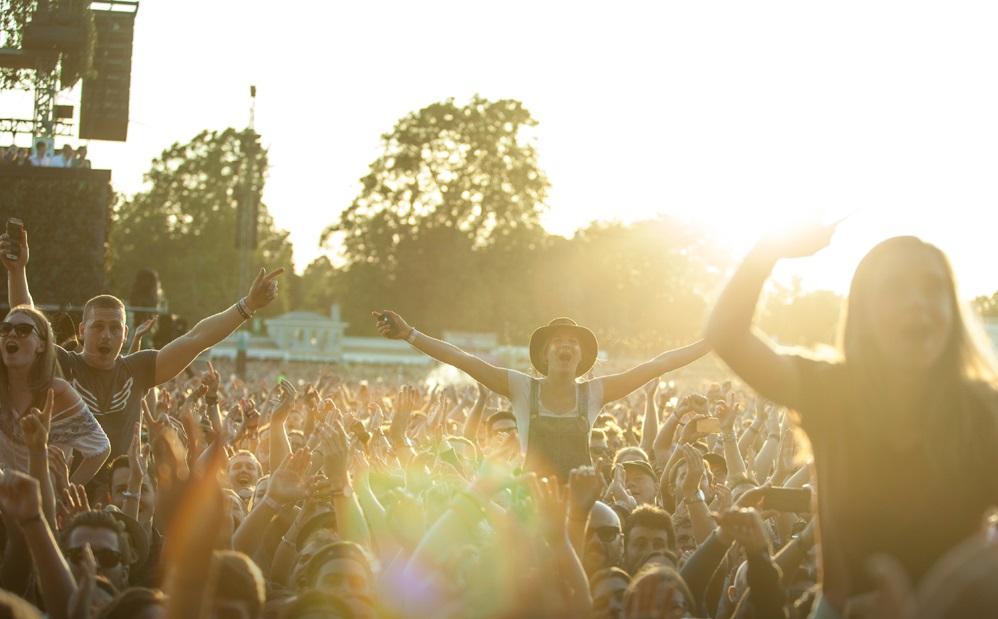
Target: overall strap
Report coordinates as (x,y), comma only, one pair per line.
(582,401)
(535,397)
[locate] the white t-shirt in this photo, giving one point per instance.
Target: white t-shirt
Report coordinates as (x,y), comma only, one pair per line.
(519,391)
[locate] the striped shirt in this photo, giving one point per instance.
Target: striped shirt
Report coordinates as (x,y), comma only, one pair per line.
(74,428)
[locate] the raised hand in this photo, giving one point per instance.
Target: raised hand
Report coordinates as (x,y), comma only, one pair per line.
(651,387)
(287,394)
(137,457)
(551,503)
(746,527)
(58,468)
(799,242)
(584,487)
(20,496)
(263,290)
(726,413)
(147,325)
(210,379)
(391,325)
(157,425)
(7,244)
(74,500)
(287,482)
(375,415)
(336,451)
(618,490)
(35,425)
(82,599)
(694,470)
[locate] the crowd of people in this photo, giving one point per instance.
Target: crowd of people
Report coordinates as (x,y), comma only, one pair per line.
(136,484)
(40,157)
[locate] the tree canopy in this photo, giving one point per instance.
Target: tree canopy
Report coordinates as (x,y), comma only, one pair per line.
(184,225)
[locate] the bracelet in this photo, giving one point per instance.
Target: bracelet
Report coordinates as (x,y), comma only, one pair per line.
(30,520)
(411,338)
(243,309)
(131,495)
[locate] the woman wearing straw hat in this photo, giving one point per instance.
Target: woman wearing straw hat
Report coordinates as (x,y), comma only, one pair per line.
(553,413)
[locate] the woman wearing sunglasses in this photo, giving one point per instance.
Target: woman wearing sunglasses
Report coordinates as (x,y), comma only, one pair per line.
(28,370)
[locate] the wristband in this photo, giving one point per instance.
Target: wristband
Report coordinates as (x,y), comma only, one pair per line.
(130,495)
(411,338)
(243,309)
(696,498)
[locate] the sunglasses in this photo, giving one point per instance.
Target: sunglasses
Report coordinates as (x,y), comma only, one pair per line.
(106,558)
(607,534)
(20,330)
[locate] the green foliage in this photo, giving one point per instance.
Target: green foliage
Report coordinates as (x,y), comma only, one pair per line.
(986,306)
(184,224)
(14,15)
(798,318)
(446,230)
(446,167)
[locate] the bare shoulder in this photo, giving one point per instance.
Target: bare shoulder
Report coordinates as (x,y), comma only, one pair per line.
(64,394)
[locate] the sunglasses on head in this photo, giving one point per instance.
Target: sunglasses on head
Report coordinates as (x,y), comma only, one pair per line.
(21,329)
(106,558)
(607,534)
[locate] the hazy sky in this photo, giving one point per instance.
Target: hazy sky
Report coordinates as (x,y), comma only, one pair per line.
(738,115)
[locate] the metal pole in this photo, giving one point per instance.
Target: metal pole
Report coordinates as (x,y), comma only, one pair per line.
(246,222)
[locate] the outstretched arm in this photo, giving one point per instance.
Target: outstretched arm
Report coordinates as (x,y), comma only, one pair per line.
(616,386)
(392,326)
(179,353)
(729,329)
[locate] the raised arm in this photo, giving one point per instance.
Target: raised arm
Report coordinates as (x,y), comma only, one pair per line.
(21,501)
(178,354)
(17,274)
(142,330)
(616,386)
(392,326)
(474,419)
(649,427)
(729,329)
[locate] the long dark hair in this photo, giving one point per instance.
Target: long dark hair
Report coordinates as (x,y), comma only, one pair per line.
(45,367)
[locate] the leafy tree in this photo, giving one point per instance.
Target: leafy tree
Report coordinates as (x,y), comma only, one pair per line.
(798,318)
(316,286)
(184,224)
(451,182)
(467,168)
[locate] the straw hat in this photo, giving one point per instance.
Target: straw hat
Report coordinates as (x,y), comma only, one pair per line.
(539,339)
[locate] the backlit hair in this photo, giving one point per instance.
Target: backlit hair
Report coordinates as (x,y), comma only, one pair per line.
(44,369)
(103,301)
